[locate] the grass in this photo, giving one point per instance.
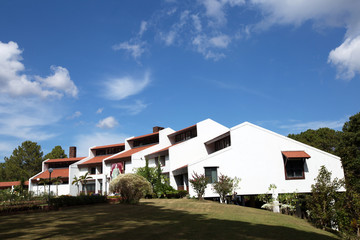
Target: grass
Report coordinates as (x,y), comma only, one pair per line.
(159,219)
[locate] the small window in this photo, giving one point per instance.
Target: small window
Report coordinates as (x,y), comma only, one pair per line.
(222,143)
(92,170)
(294,169)
(211,174)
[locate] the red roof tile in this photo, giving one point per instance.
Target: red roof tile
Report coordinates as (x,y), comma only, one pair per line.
(94,160)
(10,184)
(64,160)
(130,152)
(57,172)
(295,154)
(142,136)
(109,146)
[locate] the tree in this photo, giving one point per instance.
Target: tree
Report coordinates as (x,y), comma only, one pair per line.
(349,151)
(199,183)
(325,139)
(56,152)
(43,181)
(76,181)
(131,187)
(225,185)
(57,181)
(321,202)
(83,180)
(24,162)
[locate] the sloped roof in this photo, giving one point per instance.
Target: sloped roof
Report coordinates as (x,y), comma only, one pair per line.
(182,130)
(130,152)
(64,160)
(295,154)
(97,159)
(10,184)
(57,172)
(109,146)
(143,136)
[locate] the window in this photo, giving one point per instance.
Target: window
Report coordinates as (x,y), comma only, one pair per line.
(211,174)
(92,170)
(160,159)
(146,141)
(186,135)
(294,169)
(222,143)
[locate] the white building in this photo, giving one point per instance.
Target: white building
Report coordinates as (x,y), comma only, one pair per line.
(256,155)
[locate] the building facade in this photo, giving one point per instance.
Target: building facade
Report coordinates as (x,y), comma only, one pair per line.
(257,156)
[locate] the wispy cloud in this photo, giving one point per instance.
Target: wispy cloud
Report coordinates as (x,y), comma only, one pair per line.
(135,49)
(109,122)
(75,115)
(134,108)
(303,126)
(123,87)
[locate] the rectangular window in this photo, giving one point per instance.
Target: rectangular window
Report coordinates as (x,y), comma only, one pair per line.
(92,170)
(211,174)
(222,143)
(294,169)
(186,135)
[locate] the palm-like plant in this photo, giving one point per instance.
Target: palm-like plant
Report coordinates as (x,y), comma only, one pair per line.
(43,181)
(76,181)
(83,179)
(57,181)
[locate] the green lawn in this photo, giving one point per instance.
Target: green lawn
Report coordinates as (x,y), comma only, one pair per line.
(158,219)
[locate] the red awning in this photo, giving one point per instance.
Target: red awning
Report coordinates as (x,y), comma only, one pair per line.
(295,154)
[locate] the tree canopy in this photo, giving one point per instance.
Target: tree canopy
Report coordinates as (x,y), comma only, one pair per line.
(24,162)
(56,152)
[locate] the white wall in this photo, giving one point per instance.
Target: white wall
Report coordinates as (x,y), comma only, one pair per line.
(255,157)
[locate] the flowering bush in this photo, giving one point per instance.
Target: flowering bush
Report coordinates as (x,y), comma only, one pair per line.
(199,182)
(225,185)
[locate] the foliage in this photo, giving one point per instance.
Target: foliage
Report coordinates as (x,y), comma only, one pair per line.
(267,198)
(57,181)
(44,181)
(225,185)
(56,152)
(288,202)
(325,139)
(24,162)
(83,180)
(76,181)
(78,200)
(159,183)
(131,187)
(321,202)
(199,184)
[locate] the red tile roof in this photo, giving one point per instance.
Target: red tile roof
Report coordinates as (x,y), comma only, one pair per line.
(143,136)
(94,160)
(130,152)
(64,160)
(109,146)
(295,154)
(182,130)
(57,172)
(10,184)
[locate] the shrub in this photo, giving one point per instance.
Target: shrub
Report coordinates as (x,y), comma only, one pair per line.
(199,183)
(131,187)
(225,185)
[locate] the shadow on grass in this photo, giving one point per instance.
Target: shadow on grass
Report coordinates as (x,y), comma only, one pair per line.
(145,221)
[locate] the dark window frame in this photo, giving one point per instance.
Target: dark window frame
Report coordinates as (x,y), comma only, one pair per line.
(293,162)
(209,176)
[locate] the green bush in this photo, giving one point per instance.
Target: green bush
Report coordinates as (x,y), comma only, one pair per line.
(65,200)
(131,187)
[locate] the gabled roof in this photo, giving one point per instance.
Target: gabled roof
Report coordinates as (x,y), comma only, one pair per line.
(162,150)
(130,152)
(143,136)
(109,146)
(10,184)
(64,160)
(295,154)
(57,172)
(182,130)
(95,160)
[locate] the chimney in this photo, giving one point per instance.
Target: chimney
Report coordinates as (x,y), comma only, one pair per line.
(157,128)
(72,152)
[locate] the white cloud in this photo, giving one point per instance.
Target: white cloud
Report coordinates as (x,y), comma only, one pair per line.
(75,115)
(168,38)
(134,109)
(85,141)
(121,88)
(16,84)
(205,45)
(99,111)
(143,27)
(323,13)
(346,58)
(221,41)
(197,22)
(135,49)
(215,8)
(109,122)
(314,125)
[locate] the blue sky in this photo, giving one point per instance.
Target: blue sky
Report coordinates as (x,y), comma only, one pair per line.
(88,73)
